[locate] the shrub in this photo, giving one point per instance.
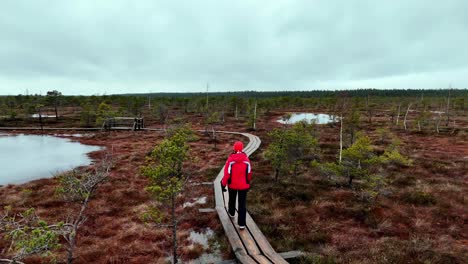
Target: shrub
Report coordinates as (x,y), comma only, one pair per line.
(394,157)
(419,198)
(404,180)
(383,134)
(291,148)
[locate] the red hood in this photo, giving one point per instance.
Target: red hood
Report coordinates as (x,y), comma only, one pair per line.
(238,157)
(237,172)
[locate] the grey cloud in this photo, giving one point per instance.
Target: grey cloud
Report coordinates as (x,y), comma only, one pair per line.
(120,46)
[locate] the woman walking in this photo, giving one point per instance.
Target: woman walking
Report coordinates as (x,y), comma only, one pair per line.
(237,177)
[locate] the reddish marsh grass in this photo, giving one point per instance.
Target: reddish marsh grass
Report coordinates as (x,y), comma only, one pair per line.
(114,231)
(420,218)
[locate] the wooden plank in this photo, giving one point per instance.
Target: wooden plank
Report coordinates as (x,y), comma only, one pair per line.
(291,254)
(206,210)
(233,237)
(249,243)
(262,242)
(248,240)
(261,259)
(252,239)
(218,192)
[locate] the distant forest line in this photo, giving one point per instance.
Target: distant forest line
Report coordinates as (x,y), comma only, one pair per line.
(94,108)
(456,92)
(318,93)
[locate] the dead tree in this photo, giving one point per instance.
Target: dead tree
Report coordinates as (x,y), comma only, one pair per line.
(406,115)
(79,187)
(341,137)
(447,109)
(54,97)
(369,110)
(254,117)
(236,113)
(398,114)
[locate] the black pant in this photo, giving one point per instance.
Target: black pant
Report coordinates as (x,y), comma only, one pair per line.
(241,203)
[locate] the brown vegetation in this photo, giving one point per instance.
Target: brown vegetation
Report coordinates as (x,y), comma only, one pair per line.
(420,217)
(114,231)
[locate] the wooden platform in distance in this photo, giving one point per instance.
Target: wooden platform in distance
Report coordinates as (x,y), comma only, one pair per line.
(249,245)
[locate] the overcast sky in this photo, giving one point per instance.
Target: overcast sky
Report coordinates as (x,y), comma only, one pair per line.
(96,47)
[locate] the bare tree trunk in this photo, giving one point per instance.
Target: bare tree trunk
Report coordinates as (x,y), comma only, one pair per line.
(207,87)
(76,225)
(174,231)
(341,137)
(255,116)
(40,120)
(398,115)
(214,136)
(55,106)
(453,129)
(406,115)
(237,118)
(447,109)
(369,111)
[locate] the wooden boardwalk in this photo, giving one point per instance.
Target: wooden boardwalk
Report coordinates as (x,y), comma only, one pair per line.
(249,245)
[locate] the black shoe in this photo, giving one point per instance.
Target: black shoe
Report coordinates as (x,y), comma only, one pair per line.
(232,216)
(241,227)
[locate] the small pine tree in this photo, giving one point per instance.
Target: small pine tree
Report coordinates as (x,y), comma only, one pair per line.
(291,148)
(167,177)
(104,111)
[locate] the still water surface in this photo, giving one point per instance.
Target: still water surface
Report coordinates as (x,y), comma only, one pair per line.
(28,157)
(309,117)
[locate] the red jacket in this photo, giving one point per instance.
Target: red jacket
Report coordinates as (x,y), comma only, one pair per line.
(237,172)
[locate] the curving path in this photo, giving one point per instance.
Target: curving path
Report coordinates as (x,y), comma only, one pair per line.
(249,245)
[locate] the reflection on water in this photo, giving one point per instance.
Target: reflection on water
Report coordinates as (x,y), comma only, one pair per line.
(201,200)
(308,117)
(203,239)
(28,157)
(43,116)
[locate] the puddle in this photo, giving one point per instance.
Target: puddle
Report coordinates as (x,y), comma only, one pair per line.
(28,157)
(308,117)
(203,239)
(201,200)
(43,116)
